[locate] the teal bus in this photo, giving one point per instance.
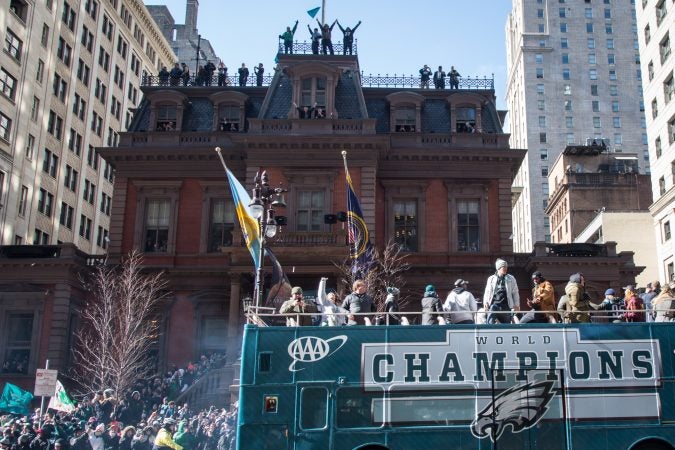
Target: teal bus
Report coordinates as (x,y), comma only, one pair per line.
(543,386)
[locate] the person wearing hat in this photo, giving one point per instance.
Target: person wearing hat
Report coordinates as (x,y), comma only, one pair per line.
(391,306)
(614,305)
(501,294)
(297,305)
(651,292)
(164,439)
(431,306)
(358,302)
(578,300)
(460,304)
(635,308)
(79,439)
(543,299)
(664,304)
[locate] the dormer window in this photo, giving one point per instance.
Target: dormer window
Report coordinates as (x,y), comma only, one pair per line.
(405,119)
(229,118)
(466,120)
(313,92)
(166,118)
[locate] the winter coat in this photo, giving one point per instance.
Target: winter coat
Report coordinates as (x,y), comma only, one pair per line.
(461,304)
(430,305)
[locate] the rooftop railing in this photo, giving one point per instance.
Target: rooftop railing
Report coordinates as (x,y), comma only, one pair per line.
(305,48)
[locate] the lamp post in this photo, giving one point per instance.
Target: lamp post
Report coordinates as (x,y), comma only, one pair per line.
(263,202)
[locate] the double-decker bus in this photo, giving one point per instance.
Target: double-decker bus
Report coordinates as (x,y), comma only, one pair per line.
(583,386)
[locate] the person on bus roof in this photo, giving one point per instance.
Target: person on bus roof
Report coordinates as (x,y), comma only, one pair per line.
(358,302)
(298,309)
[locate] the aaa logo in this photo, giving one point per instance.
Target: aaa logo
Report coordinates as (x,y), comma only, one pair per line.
(309,349)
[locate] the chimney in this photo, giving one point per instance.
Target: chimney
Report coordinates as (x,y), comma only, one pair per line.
(191,10)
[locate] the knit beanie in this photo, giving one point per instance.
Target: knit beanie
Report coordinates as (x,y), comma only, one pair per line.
(575,278)
(430,290)
(500,263)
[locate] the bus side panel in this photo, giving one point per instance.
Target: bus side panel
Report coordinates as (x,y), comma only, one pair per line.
(258,426)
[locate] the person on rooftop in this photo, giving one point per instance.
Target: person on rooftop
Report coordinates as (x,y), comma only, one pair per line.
(347,37)
(287,37)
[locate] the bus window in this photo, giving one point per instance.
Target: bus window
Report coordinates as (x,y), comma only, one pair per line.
(313,408)
(357,408)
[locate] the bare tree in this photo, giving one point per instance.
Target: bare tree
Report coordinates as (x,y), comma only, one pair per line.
(388,268)
(117,326)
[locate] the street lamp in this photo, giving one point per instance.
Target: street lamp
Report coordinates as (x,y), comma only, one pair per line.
(263,202)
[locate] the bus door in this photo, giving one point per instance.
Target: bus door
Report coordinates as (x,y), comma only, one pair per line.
(313,416)
(524,409)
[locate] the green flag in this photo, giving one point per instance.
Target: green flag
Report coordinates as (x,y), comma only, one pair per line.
(60,400)
(312,12)
(15,400)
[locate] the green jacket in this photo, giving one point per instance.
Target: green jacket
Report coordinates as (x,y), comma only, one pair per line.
(185,438)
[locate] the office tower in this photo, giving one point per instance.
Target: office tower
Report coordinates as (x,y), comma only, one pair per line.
(656,28)
(70,74)
(573,78)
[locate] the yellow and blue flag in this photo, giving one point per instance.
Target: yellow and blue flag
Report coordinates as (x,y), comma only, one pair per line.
(249,225)
(360,248)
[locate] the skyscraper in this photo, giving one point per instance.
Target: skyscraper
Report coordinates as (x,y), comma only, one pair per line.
(573,77)
(70,75)
(656,27)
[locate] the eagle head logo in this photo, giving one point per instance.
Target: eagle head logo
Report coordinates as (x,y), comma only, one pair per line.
(521,407)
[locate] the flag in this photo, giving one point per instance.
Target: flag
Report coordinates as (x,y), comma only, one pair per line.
(15,400)
(249,225)
(280,286)
(312,12)
(360,248)
(60,400)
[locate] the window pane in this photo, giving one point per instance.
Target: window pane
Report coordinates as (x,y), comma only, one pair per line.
(313,408)
(405,224)
(468,226)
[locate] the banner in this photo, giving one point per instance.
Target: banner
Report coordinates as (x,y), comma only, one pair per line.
(249,225)
(313,12)
(360,248)
(15,400)
(60,400)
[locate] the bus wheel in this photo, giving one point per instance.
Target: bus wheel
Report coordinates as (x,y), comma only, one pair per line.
(652,444)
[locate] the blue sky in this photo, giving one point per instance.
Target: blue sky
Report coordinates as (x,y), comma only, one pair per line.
(395,37)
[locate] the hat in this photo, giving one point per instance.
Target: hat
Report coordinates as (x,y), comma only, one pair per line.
(168,422)
(430,288)
(575,278)
(537,274)
(393,290)
(296,290)
(630,287)
(610,291)
(92,420)
(500,263)
(100,427)
(460,282)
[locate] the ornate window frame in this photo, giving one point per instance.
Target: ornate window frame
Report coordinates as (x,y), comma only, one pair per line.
(468,191)
(465,100)
(406,190)
(299,72)
(299,180)
(164,98)
(399,100)
(229,98)
(156,190)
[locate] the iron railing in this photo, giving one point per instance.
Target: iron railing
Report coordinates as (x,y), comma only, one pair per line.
(305,48)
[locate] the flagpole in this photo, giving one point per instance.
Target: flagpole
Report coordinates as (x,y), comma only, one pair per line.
(42,399)
(323,22)
(222,161)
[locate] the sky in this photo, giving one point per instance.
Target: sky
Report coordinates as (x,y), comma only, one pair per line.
(395,37)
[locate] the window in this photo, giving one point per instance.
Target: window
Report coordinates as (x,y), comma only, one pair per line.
(610,43)
(70,180)
(91,7)
(562,13)
(55,125)
(40,72)
(45,202)
(310,210)
(107,27)
(569,122)
(18,338)
(668,89)
(50,163)
(7,84)
(102,238)
(588,13)
(615,106)
(593,74)
(157,225)
(589,27)
(85,227)
(540,13)
(540,89)
(66,216)
(539,72)
(595,105)
(166,118)
(59,88)
(567,89)
(565,58)
(64,52)
(122,47)
(69,16)
(541,104)
(609,29)
(617,122)
(87,39)
(544,171)
(610,58)
(79,107)
(613,90)
(596,122)
(19,8)
(538,58)
(563,27)
(41,238)
(468,225)
(405,119)
(591,58)
(92,158)
(23,201)
(661,11)
(30,146)
(666,231)
(566,74)
(608,11)
(466,119)
(590,43)
(100,91)
(83,72)
(618,140)
(569,137)
(540,29)
(89,193)
(671,130)
(655,109)
(313,92)
(229,117)
(103,59)
(405,224)
(543,154)
(662,185)
(594,89)
(13,45)
(542,121)
(96,123)
(568,105)
(657,147)
(564,43)
(5,127)
(313,409)
(542,138)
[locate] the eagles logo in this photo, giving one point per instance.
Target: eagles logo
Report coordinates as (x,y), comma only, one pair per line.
(358,234)
(521,407)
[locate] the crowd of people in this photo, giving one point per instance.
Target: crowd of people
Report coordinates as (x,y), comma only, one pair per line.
(144,418)
(500,303)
